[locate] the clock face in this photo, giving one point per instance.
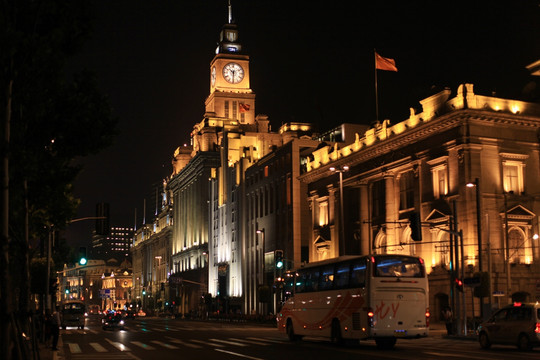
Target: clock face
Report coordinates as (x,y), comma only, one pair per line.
(233,73)
(213,76)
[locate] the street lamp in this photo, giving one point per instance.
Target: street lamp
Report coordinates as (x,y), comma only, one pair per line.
(476,185)
(341,170)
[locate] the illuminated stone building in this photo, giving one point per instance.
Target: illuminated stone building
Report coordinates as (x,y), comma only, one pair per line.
(151,255)
(106,284)
(213,247)
(275,211)
(423,165)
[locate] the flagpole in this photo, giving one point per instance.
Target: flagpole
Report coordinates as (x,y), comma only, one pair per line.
(376,90)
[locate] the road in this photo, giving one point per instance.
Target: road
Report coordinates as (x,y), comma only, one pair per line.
(161,339)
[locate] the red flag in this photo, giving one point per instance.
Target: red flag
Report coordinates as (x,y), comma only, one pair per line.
(382,63)
(244,107)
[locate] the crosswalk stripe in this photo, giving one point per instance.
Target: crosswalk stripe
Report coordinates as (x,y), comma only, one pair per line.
(228,342)
(266,340)
(207,343)
(178,341)
(74,348)
(251,342)
(143,345)
(118,345)
(98,347)
(168,346)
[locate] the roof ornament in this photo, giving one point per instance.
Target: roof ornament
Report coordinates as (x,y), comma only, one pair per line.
(230,12)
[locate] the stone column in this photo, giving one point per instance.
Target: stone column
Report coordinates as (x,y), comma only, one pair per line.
(365,226)
(391,216)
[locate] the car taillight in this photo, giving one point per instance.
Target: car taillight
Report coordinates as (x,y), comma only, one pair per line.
(537,330)
(370,315)
(428,314)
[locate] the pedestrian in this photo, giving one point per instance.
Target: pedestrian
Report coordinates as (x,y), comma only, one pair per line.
(448,319)
(55,327)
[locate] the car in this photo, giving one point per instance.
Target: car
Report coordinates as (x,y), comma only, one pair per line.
(517,324)
(141,313)
(112,321)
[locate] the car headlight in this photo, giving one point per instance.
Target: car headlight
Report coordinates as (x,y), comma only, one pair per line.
(121,322)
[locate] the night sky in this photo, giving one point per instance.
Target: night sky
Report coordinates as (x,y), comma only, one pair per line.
(311,61)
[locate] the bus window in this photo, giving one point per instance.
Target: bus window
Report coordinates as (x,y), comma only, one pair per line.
(398,266)
(300,285)
(326,281)
(358,273)
(312,279)
(288,285)
(341,280)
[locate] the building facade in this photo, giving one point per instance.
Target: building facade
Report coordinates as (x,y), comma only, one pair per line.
(152,261)
(424,165)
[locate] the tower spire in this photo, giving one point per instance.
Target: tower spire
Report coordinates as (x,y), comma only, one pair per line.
(230,12)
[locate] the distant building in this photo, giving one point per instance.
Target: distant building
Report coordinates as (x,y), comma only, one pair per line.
(115,245)
(105,284)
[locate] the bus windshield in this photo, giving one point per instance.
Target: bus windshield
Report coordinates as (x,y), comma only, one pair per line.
(398,266)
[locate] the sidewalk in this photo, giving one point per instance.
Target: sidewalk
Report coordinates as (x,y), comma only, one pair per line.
(46,353)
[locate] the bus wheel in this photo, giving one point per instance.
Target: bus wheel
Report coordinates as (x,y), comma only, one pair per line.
(290,331)
(385,343)
(335,335)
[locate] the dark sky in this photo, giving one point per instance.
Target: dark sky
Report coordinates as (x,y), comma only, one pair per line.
(311,61)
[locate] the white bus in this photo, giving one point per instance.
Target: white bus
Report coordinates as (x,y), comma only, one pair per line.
(380,297)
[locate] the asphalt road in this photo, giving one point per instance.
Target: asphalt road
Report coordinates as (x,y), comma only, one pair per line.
(161,339)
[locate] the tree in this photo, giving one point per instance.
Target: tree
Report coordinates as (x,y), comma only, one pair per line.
(50,118)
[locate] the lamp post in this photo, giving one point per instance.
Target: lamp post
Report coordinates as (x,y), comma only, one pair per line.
(476,185)
(341,170)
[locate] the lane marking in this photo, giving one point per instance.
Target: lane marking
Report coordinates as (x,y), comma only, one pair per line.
(251,342)
(165,345)
(228,342)
(143,345)
(265,340)
(74,348)
(180,342)
(207,343)
(98,347)
(237,354)
(118,345)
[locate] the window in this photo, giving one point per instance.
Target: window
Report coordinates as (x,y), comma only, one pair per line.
(226,109)
(358,273)
(235,109)
(323,213)
(513,176)
(440,180)
(406,191)
(378,200)
(326,280)
(513,168)
(341,280)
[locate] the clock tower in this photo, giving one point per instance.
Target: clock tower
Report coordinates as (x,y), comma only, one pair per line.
(230,95)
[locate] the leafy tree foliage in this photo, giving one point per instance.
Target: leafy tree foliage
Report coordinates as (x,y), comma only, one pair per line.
(55,117)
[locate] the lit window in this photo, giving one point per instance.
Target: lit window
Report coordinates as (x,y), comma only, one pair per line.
(513,176)
(440,180)
(323,213)
(513,172)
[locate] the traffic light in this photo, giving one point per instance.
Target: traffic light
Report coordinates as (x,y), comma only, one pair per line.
(459,285)
(416,226)
(82,256)
(278,256)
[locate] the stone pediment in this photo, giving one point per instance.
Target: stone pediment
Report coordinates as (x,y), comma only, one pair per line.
(437,216)
(519,212)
